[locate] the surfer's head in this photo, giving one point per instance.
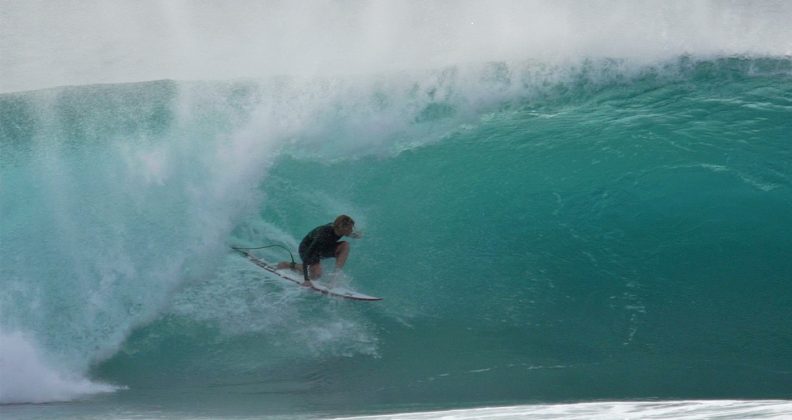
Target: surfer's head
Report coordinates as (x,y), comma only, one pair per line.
(343,225)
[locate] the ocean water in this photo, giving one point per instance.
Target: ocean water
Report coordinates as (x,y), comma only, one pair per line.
(563,222)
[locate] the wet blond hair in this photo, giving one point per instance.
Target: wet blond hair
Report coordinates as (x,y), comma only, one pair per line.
(343,221)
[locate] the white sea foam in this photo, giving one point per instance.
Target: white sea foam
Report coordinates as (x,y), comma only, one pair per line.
(26,377)
(627,410)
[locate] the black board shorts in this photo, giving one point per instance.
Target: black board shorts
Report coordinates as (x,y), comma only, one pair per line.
(318,254)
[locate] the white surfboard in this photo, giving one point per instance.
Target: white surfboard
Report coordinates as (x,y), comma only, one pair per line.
(341,292)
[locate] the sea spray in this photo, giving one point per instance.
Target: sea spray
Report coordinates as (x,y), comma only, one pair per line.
(29,378)
(127,204)
(45,45)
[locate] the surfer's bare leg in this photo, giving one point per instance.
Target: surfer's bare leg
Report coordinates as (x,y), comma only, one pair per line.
(315,271)
(288,264)
(342,253)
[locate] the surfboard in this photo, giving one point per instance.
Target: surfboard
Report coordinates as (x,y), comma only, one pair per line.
(289,275)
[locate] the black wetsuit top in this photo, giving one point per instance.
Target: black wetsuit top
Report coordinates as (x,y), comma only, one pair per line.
(318,244)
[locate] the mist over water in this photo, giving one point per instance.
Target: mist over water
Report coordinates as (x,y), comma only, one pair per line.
(565,201)
(75,43)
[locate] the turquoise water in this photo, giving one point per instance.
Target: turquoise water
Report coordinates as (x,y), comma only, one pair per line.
(541,233)
(596,238)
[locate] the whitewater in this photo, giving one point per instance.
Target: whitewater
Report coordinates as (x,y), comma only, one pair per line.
(571,209)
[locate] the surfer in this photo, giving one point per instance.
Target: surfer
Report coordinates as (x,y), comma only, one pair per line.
(323,242)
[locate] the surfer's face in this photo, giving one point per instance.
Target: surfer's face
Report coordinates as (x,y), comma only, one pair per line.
(345,230)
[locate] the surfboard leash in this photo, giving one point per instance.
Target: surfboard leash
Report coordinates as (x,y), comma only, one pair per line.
(268,246)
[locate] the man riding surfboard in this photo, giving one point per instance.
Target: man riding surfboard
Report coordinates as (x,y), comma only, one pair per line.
(323,242)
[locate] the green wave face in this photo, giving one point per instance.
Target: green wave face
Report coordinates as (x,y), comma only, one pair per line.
(599,230)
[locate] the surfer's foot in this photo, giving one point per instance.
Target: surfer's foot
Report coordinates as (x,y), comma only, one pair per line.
(307,284)
(285,264)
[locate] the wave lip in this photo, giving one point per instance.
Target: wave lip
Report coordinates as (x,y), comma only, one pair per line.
(28,378)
